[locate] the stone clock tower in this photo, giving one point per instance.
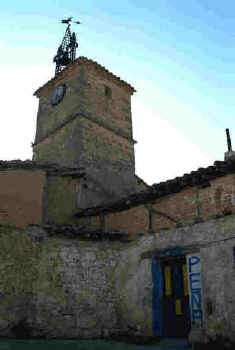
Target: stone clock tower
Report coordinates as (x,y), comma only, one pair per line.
(84,120)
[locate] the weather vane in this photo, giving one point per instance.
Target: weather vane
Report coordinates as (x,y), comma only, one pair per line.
(66,52)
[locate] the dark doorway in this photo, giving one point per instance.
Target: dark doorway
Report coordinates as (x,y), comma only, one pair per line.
(176,313)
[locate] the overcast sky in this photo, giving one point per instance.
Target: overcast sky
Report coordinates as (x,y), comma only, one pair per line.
(178,54)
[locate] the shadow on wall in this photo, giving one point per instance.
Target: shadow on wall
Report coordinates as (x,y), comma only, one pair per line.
(22,330)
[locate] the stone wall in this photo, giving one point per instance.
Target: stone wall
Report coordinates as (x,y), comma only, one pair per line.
(218,268)
(62,198)
(76,288)
(214,240)
(51,117)
(71,288)
(89,128)
(86,87)
(62,146)
(116,108)
(102,145)
(22,196)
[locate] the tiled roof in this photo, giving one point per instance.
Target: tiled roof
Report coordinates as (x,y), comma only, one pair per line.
(73,230)
(51,168)
(85,61)
(201,177)
(141,181)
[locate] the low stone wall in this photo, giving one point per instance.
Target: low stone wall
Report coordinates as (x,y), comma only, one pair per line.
(70,288)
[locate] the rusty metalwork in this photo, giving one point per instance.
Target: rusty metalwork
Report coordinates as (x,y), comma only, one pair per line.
(228,141)
(66,52)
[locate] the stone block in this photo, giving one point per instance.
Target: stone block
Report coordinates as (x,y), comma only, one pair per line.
(198,336)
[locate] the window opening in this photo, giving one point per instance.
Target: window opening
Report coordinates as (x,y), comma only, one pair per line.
(107,91)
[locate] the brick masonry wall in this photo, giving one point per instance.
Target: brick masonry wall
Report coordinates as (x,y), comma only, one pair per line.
(181,207)
(132,221)
(21,197)
(197,203)
(192,204)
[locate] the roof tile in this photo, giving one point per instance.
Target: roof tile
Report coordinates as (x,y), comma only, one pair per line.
(200,177)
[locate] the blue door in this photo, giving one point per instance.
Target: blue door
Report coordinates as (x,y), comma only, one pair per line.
(176,312)
(171,314)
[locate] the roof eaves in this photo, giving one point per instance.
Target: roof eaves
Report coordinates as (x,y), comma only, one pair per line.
(50,168)
(200,177)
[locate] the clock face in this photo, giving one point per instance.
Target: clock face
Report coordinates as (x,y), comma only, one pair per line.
(58,94)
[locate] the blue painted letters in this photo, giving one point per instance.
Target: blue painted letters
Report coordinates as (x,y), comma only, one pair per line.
(194,279)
